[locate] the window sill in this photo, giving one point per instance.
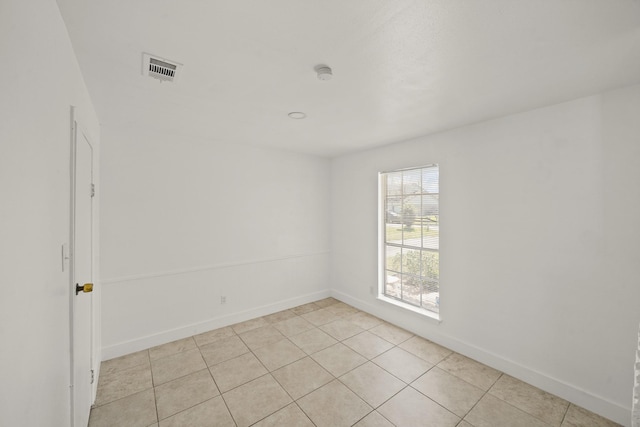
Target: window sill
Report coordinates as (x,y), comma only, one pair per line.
(409,307)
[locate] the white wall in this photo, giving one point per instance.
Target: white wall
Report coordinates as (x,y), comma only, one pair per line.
(186,221)
(41,81)
(539,243)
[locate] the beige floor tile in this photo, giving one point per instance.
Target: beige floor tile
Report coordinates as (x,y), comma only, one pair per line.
(346,407)
(172,348)
(290,415)
(125,362)
(402,364)
(213,336)
(341,329)
(212,413)
(280,316)
(260,337)
(256,400)
(425,349)
(224,349)
(137,410)
(493,412)
(454,394)
(176,366)
(372,383)
(374,419)
(326,302)
(313,340)
(302,377)
(277,355)
(343,310)
(320,317)
(411,408)
(338,359)
(471,371)
(184,392)
(436,395)
(242,327)
(364,320)
(532,400)
(293,326)
(580,417)
(368,344)
(122,383)
(305,308)
(334,304)
(237,371)
(391,333)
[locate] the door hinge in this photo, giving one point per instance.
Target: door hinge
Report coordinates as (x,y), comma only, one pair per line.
(93,190)
(93,376)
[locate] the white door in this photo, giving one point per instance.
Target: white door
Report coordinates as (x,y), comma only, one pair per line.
(82,277)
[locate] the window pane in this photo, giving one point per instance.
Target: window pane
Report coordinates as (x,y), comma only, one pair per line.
(411,289)
(430,205)
(411,182)
(394,183)
(393,212)
(419,228)
(430,299)
(431,266)
(392,285)
(393,258)
(430,230)
(431,180)
(431,280)
(393,233)
(411,262)
(411,236)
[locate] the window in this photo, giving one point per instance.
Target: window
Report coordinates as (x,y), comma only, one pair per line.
(410,230)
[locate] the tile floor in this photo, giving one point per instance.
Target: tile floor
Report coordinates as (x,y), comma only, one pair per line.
(322,364)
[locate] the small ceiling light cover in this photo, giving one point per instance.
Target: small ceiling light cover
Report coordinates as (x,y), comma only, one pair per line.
(324,72)
(297,115)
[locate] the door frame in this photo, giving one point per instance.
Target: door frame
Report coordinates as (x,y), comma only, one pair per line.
(77,130)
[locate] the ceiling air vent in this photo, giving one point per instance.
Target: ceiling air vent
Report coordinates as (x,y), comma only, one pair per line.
(160,68)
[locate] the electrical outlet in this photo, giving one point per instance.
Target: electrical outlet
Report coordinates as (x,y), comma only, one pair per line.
(223,300)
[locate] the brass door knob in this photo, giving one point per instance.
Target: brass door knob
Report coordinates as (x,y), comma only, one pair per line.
(87,287)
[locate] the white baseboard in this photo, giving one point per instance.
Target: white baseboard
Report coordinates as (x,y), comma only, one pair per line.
(164,337)
(573,394)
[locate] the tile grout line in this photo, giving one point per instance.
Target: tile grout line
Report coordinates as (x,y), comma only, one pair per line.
(405,383)
(373,408)
(317,327)
(155,405)
(522,410)
(564,416)
(481,397)
(153,387)
(336,315)
(305,414)
(270,372)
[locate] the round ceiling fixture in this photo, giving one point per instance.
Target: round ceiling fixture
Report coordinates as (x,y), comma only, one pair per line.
(324,72)
(297,115)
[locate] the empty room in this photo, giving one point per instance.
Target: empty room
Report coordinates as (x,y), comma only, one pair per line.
(227,213)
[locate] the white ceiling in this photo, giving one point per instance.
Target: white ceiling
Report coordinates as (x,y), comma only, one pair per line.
(401,68)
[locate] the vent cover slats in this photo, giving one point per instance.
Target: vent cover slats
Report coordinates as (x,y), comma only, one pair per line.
(160,68)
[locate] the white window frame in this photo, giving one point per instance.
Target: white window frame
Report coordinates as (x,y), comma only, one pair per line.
(382,247)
